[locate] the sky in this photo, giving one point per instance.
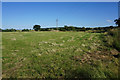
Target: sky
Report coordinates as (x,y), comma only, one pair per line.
(60,0)
(23,15)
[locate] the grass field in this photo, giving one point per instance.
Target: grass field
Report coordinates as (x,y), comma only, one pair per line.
(57,55)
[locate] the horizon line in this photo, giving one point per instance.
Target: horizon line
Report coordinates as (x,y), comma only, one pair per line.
(62,26)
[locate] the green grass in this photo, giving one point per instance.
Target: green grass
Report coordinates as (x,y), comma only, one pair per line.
(57,55)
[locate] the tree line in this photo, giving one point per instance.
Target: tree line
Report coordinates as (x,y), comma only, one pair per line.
(66,28)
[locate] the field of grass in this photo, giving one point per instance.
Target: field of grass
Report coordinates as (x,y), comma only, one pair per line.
(57,55)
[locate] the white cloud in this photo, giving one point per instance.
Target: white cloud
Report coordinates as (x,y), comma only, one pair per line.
(109,21)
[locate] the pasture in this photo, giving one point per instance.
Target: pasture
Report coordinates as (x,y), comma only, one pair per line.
(57,55)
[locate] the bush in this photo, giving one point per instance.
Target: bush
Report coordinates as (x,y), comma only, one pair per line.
(25,30)
(115,34)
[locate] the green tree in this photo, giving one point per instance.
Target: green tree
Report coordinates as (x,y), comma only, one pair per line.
(36,27)
(117,22)
(83,28)
(111,27)
(66,27)
(25,30)
(72,28)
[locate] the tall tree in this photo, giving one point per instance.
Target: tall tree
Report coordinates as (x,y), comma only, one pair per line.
(36,27)
(117,22)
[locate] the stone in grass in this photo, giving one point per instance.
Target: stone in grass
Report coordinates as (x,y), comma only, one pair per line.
(39,54)
(14,39)
(63,41)
(16,50)
(45,42)
(83,45)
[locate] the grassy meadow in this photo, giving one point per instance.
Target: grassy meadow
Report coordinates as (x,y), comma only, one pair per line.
(57,55)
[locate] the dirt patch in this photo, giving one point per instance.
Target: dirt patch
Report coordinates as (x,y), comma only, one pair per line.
(94,56)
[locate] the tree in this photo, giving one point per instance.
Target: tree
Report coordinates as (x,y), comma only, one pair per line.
(83,28)
(25,30)
(111,27)
(117,22)
(36,27)
(72,28)
(66,27)
(0,30)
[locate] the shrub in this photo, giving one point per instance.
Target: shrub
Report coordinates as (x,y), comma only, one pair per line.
(115,34)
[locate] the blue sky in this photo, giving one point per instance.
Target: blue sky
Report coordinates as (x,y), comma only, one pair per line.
(60,0)
(21,15)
